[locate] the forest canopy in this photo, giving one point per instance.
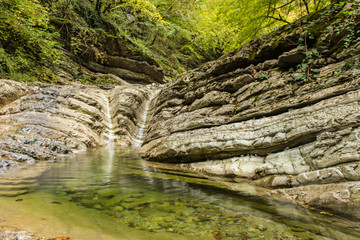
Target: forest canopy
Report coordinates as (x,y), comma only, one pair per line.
(179,34)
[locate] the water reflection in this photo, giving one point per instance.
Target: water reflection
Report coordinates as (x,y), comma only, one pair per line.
(110,163)
(155,200)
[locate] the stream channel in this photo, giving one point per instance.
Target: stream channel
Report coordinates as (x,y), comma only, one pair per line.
(109,194)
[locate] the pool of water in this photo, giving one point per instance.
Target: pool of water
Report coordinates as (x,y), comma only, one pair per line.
(108,194)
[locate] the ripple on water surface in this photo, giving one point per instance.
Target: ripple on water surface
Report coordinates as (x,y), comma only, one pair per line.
(152,203)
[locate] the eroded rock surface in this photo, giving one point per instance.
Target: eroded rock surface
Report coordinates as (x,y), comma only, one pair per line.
(52,120)
(251,115)
(10,91)
(112,55)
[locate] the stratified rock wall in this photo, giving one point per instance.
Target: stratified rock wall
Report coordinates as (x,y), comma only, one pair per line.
(114,56)
(281,112)
(128,104)
(10,91)
(49,120)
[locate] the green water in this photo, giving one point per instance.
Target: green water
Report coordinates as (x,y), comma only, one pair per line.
(112,195)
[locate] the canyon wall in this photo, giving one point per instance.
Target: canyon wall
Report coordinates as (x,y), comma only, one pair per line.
(39,122)
(283,112)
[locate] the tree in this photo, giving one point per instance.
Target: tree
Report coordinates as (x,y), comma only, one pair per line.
(26,37)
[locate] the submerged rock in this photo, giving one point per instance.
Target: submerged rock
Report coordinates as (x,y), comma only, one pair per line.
(19,235)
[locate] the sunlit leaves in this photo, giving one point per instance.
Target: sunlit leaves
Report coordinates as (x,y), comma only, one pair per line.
(25,36)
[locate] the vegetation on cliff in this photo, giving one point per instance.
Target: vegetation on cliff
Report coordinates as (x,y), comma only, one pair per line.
(26,38)
(177,34)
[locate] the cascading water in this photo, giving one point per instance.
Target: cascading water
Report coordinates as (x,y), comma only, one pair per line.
(111,141)
(140,136)
(110,130)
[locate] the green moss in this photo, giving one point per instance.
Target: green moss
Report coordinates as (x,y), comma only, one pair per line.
(256,96)
(317,29)
(277,42)
(336,49)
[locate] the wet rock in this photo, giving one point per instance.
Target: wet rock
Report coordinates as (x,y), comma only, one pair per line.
(107,192)
(95,203)
(20,235)
(107,87)
(113,202)
(341,198)
(136,203)
(6,164)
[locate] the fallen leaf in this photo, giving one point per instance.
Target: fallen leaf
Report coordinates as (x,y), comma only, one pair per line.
(61,238)
(326,213)
(310,208)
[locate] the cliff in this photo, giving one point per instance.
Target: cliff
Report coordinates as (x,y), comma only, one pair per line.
(283,112)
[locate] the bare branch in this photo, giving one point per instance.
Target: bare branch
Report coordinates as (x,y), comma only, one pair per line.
(286,4)
(306,6)
(279,19)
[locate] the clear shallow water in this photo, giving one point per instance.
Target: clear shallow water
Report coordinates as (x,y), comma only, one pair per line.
(111,195)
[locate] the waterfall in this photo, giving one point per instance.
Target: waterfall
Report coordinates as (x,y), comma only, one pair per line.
(110,130)
(140,136)
(111,143)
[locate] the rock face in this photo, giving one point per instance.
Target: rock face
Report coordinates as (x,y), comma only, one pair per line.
(52,120)
(10,91)
(283,116)
(111,55)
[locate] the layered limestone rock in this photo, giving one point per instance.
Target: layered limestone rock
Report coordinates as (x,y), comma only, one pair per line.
(50,120)
(283,116)
(10,91)
(112,55)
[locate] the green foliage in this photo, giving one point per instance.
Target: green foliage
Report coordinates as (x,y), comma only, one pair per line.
(178,34)
(306,70)
(26,39)
(220,26)
(333,30)
(261,77)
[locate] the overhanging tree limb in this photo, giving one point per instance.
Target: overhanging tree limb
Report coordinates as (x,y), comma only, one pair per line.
(286,4)
(278,19)
(306,6)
